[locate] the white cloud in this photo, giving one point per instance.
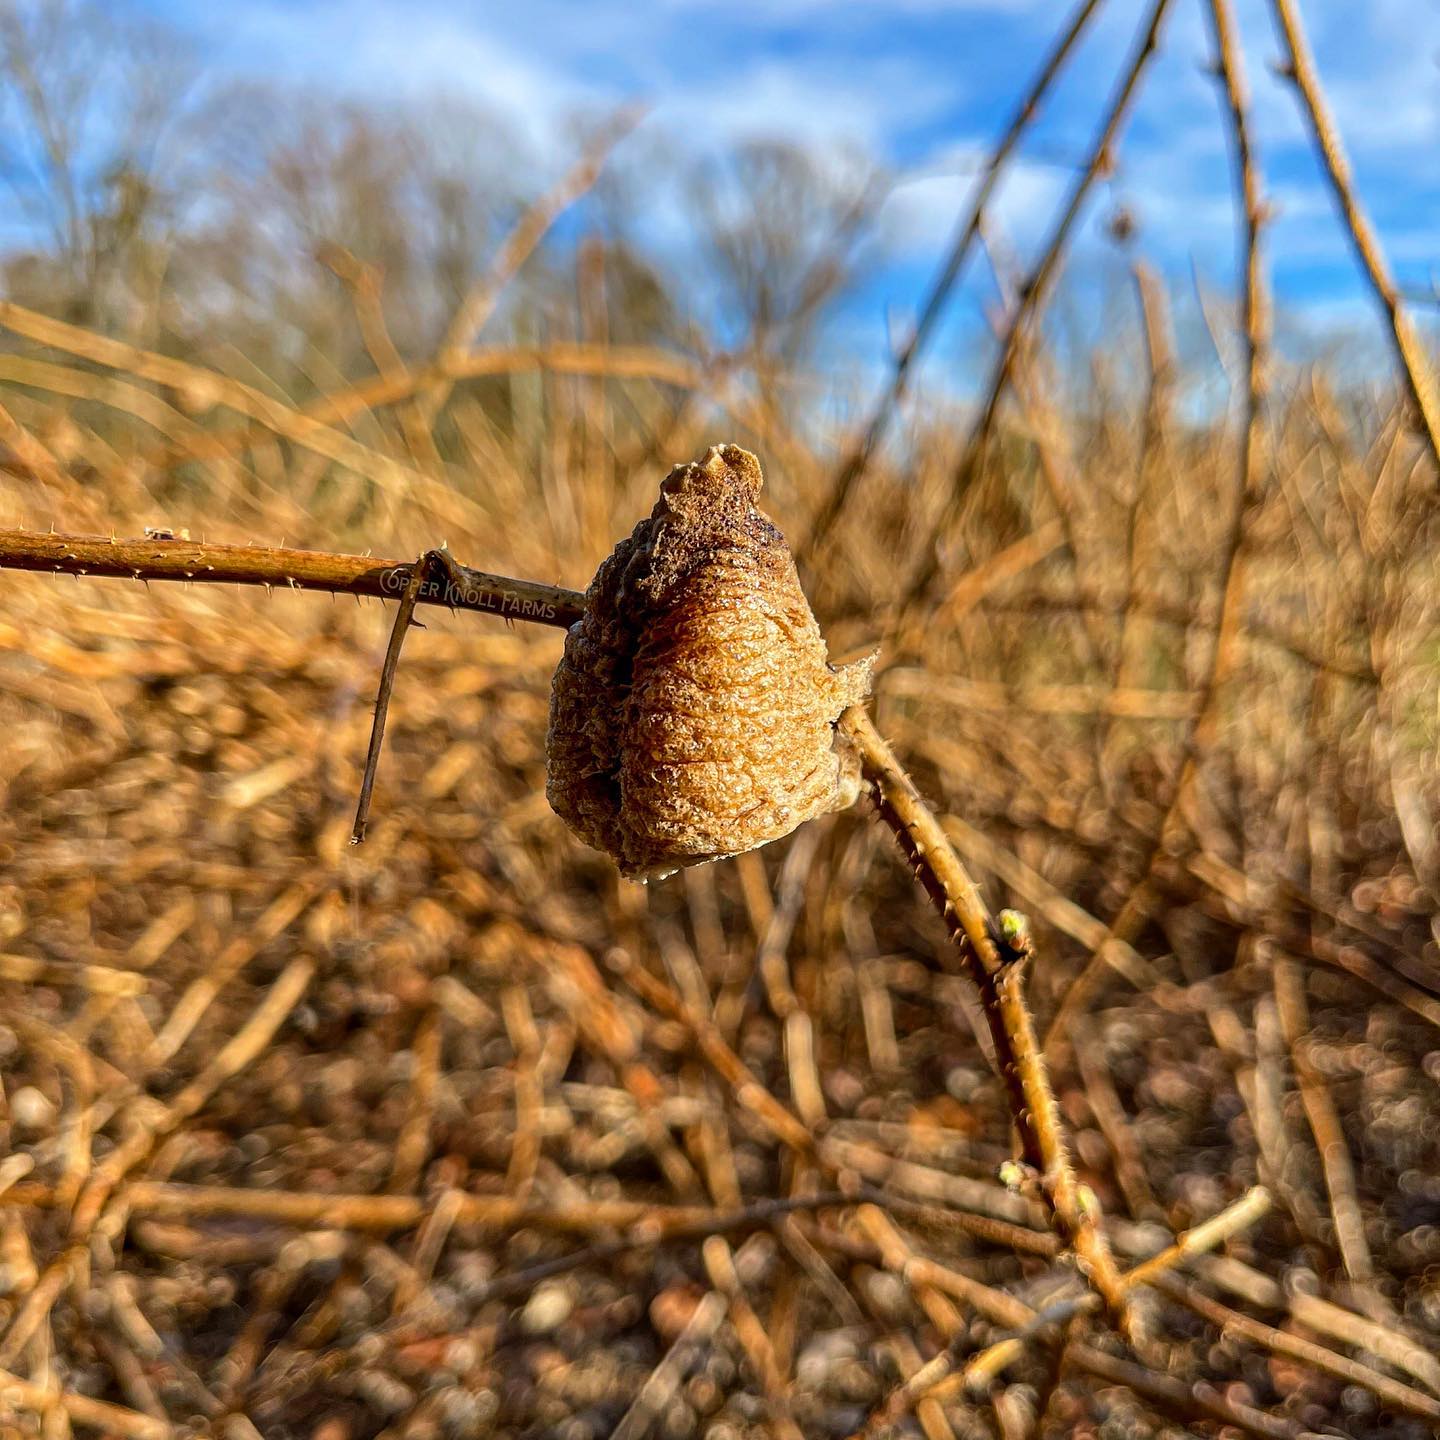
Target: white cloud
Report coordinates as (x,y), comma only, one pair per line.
(381,50)
(920,213)
(773,13)
(822,106)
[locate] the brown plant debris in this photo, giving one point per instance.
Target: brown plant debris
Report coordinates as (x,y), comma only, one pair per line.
(693,714)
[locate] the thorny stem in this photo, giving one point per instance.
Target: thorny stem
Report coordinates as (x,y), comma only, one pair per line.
(159,557)
(994,960)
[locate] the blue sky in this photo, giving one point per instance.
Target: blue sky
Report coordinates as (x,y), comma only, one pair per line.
(924,86)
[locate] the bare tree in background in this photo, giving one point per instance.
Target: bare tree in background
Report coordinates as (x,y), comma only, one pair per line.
(98,137)
(784,226)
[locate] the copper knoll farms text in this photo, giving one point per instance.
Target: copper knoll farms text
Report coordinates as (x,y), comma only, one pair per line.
(445,591)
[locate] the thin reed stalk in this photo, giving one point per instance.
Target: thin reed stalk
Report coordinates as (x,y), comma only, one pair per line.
(1414,362)
(1249,493)
(857,458)
(1034,292)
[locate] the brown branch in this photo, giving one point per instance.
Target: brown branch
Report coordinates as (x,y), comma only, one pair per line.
(1203,1238)
(156,558)
(996,963)
(1155,454)
(1419,379)
(754,1339)
(381,1214)
(364,282)
(420,573)
(1031,378)
(664,1381)
(198,387)
(1331,1145)
(774,1211)
(1307,1352)
(1186,1400)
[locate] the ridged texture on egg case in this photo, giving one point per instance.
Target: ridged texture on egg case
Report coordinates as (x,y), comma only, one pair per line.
(693,714)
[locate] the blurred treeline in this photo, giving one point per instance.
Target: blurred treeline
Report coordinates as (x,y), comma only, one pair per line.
(212,217)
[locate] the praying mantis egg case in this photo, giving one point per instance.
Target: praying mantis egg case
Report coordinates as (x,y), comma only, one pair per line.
(693,714)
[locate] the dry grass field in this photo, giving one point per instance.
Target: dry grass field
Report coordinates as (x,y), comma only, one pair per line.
(456,1133)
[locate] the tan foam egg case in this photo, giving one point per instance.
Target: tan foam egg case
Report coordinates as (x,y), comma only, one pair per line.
(693,714)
